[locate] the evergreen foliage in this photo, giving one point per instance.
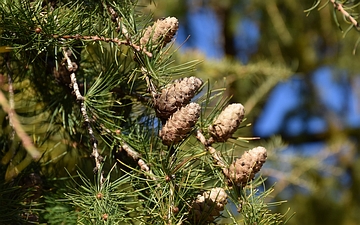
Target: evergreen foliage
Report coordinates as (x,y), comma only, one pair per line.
(347,10)
(80,140)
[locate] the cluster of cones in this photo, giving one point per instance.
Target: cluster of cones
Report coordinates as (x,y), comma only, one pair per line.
(208,206)
(179,116)
(174,109)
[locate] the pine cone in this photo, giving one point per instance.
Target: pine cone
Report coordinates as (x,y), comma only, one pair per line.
(208,206)
(244,169)
(176,96)
(180,124)
(160,33)
(227,122)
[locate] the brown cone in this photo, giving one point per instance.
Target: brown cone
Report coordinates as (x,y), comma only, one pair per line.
(180,124)
(176,96)
(227,122)
(208,206)
(160,33)
(244,169)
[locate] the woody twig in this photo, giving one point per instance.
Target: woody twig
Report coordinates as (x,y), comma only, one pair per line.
(340,7)
(118,20)
(105,39)
(213,152)
(135,156)
(80,99)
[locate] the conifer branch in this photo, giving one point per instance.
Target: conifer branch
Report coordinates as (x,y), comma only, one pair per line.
(131,153)
(105,39)
(120,25)
(340,8)
(135,156)
(174,190)
(80,98)
(215,154)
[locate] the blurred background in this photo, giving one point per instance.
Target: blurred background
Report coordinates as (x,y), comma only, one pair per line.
(296,72)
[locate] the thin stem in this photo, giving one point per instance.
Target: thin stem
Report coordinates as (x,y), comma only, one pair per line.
(80,98)
(120,25)
(340,7)
(25,139)
(135,156)
(215,154)
(113,40)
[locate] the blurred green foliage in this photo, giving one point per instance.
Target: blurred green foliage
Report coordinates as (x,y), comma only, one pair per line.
(296,37)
